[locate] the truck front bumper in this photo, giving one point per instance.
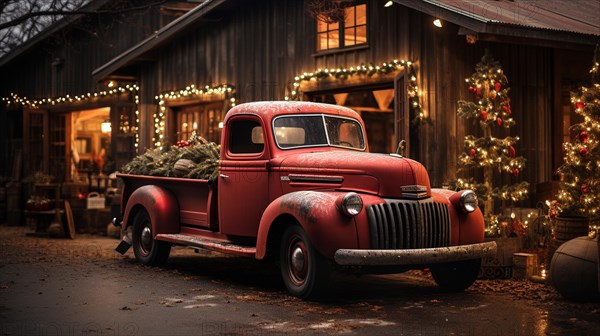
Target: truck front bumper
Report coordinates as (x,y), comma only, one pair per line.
(425,256)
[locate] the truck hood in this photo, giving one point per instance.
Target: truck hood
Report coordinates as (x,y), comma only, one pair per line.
(381,174)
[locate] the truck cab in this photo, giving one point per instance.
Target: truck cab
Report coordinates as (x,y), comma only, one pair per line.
(297,184)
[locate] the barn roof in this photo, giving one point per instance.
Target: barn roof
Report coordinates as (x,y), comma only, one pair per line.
(551,20)
(555,20)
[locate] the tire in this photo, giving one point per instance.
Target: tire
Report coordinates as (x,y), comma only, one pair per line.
(457,276)
(147,250)
(305,272)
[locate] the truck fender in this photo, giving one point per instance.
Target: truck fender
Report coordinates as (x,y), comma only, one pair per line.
(161,204)
(471,227)
(316,211)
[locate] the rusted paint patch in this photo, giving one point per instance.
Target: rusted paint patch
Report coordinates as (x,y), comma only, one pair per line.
(304,204)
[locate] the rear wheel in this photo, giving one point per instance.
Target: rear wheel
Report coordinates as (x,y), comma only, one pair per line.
(305,272)
(456,276)
(147,250)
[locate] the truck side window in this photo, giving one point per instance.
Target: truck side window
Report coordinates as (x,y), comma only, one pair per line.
(245,137)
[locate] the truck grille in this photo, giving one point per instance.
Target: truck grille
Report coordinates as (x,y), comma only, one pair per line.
(409,224)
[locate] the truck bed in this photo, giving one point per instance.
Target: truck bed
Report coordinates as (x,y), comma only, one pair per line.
(197,198)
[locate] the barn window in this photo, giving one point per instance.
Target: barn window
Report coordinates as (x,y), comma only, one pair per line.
(349,32)
(204,119)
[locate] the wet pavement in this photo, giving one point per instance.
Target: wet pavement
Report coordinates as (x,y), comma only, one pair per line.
(83,287)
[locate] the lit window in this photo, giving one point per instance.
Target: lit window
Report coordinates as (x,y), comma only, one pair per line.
(204,119)
(350,32)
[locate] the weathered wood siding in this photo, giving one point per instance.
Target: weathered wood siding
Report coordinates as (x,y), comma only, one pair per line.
(76,52)
(261,45)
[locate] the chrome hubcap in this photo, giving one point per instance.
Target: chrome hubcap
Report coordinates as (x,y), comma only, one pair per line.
(298,259)
(146,239)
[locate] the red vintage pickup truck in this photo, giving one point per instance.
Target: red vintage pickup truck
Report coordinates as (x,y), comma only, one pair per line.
(297,184)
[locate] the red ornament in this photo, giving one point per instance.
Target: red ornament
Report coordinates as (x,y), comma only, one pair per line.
(506,109)
(583,151)
(497,86)
(499,121)
(472,152)
(511,151)
(478,91)
(580,105)
(583,136)
(471,88)
(516,171)
(584,188)
(484,115)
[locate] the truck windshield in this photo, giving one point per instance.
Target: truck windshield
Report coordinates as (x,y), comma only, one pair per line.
(317,130)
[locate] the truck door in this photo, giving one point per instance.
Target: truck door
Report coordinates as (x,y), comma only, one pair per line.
(243,186)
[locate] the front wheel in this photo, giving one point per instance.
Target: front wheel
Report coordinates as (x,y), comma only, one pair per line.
(305,272)
(456,276)
(147,250)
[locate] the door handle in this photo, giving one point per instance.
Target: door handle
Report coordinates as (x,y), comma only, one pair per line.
(223,176)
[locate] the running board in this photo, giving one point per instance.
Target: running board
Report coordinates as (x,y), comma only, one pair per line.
(224,247)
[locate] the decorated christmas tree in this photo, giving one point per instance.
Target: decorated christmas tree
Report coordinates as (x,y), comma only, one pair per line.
(579,193)
(488,152)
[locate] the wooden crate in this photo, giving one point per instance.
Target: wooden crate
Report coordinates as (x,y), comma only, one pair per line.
(524,265)
(500,265)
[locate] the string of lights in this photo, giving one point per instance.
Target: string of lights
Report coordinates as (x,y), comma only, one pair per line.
(113,89)
(191,90)
(579,191)
(367,70)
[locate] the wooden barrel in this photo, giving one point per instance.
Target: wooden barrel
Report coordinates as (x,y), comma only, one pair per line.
(567,228)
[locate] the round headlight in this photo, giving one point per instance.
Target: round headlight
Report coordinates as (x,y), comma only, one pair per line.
(352,204)
(468,201)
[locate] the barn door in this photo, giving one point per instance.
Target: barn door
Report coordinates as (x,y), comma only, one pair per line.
(35,129)
(59,146)
(124,128)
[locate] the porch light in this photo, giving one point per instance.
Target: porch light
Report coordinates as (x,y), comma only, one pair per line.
(437,23)
(388,4)
(105,127)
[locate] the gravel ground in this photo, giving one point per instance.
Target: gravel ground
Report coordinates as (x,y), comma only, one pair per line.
(16,247)
(261,290)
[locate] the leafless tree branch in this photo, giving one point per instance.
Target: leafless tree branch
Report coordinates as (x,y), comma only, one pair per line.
(21,20)
(59,12)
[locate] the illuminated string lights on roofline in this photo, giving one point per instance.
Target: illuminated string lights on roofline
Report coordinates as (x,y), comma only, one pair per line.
(369,70)
(16,99)
(128,88)
(191,90)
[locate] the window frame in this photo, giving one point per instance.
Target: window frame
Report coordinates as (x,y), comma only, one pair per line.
(328,144)
(225,146)
(207,127)
(341,33)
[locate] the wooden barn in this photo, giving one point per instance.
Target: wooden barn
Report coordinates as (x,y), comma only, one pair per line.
(221,52)
(401,64)
(55,119)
